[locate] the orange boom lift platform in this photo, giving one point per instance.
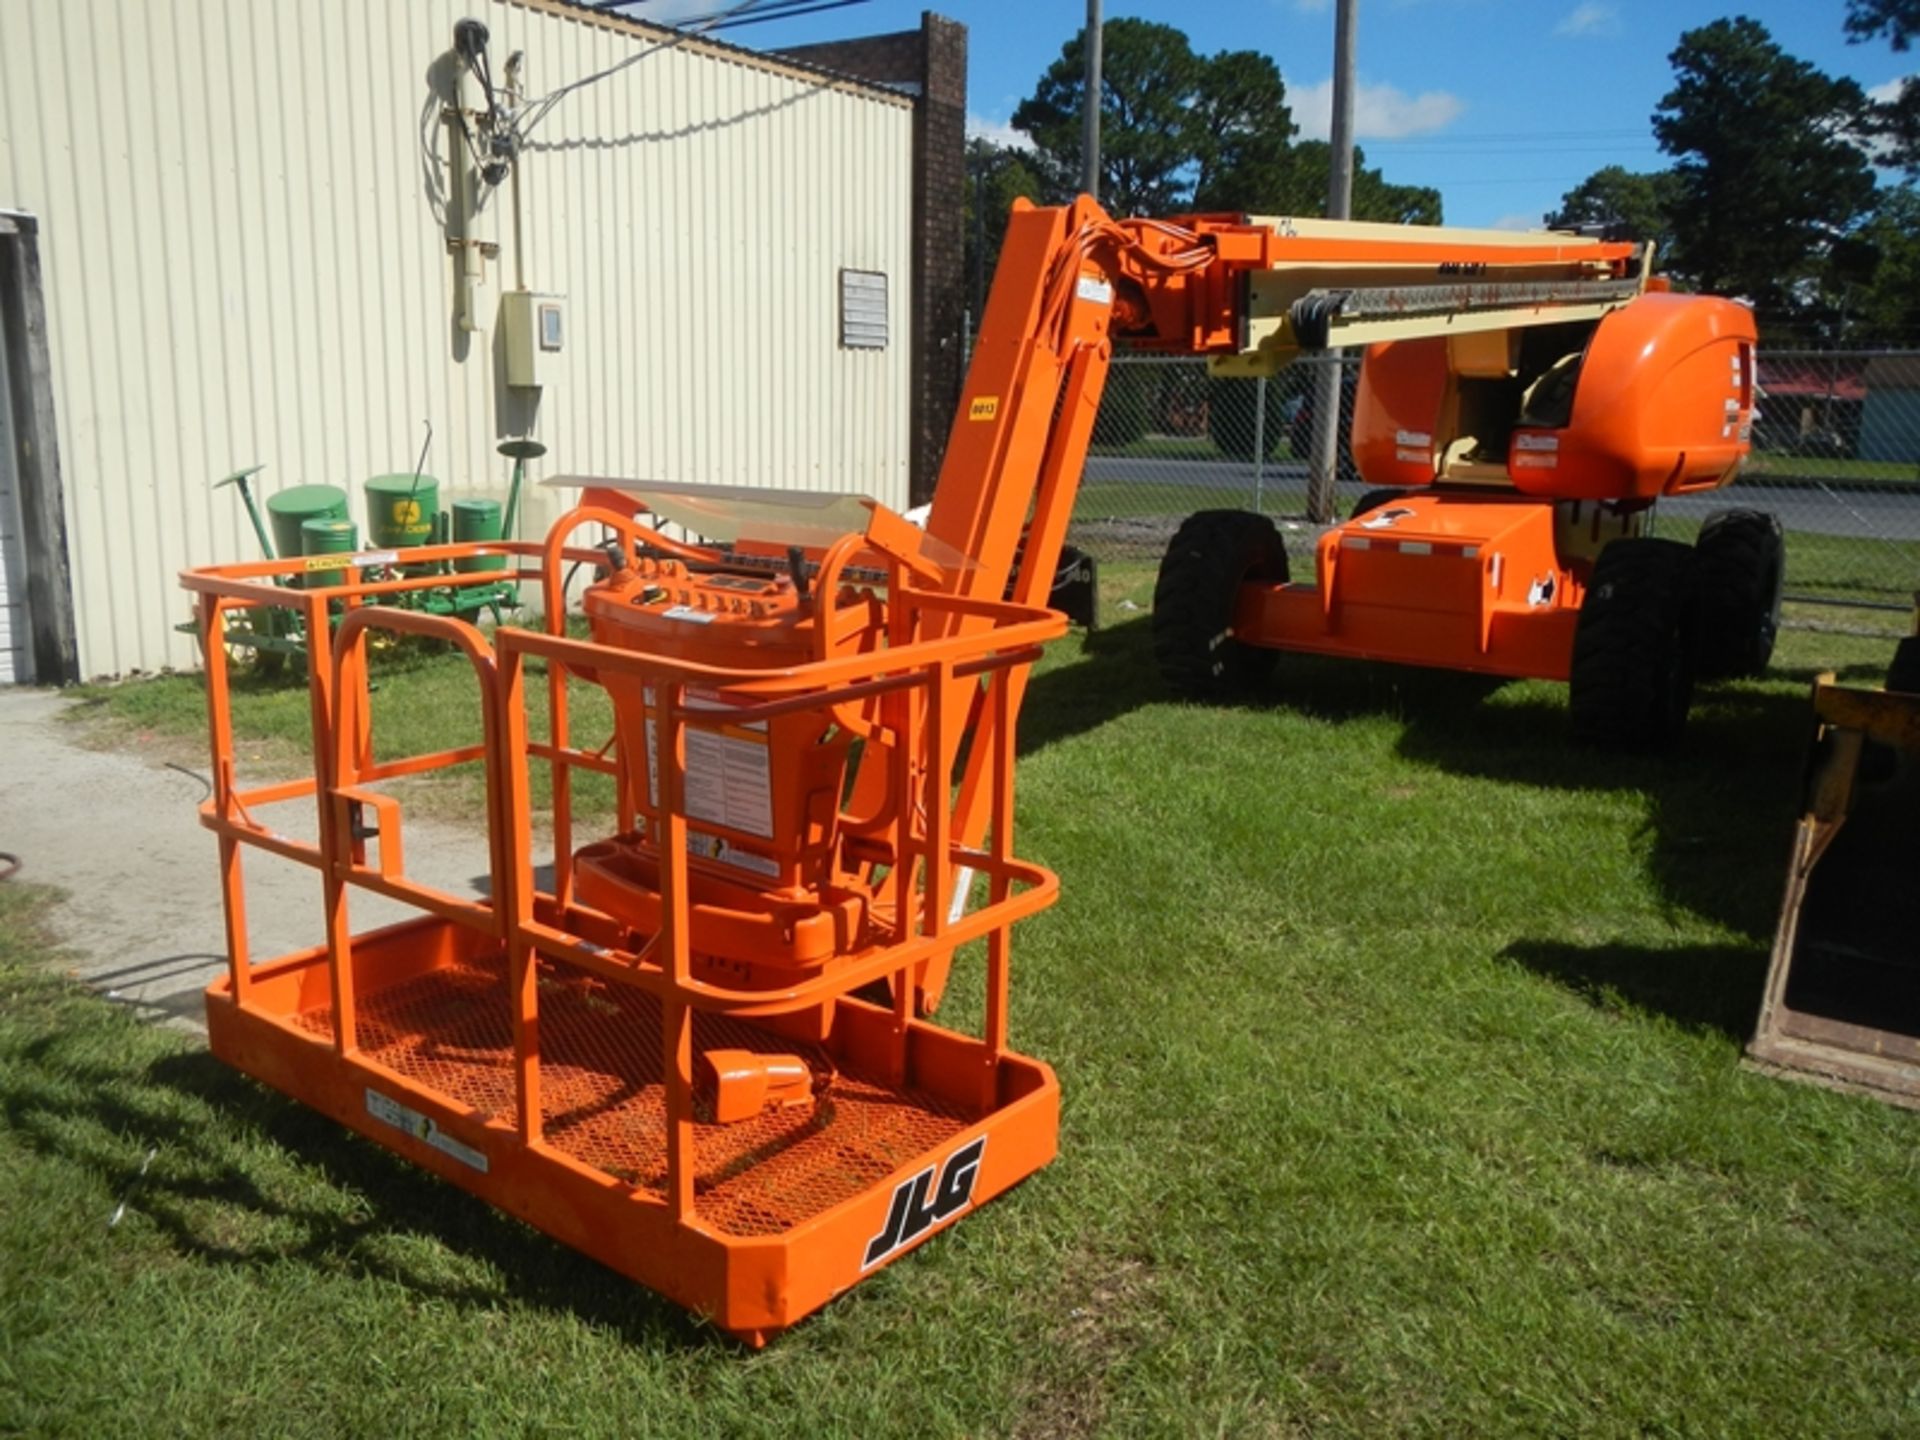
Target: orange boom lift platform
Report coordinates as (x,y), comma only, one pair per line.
(698,1047)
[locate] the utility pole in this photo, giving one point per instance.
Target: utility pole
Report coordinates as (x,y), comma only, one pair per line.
(1325,460)
(1090,134)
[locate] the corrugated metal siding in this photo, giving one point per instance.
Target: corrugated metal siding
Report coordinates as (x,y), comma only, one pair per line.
(239,205)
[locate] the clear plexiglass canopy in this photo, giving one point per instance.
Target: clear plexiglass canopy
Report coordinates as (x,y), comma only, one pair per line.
(729,514)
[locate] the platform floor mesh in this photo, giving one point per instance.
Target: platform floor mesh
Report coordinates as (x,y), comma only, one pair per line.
(602,1101)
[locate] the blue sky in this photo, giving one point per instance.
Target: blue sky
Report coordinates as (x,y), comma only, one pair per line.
(1503,105)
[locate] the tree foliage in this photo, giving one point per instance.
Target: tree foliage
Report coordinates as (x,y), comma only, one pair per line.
(1637,205)
(1896,121)
(1878,292)
(1305,190)
(997,175)
(1178,131)
(1897,20)
(1148,137)
(1241,130)
(1768,170)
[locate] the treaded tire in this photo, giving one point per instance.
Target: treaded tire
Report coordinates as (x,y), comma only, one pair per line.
(1209,556)
(1374,499)
(1739,574)
(1904,673)
(1633,661)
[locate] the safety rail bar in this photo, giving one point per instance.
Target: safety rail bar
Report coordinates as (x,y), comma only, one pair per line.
(910,683)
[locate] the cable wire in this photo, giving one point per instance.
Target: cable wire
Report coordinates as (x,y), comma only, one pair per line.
(794,12)
(536,111)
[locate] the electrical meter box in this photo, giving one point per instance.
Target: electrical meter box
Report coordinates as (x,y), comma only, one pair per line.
(534,333)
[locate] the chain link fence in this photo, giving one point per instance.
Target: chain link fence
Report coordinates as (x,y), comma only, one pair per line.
(1836,456)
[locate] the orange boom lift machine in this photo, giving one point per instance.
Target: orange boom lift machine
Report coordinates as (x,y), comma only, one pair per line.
(697,1047)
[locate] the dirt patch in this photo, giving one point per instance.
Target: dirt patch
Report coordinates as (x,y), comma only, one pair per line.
(90,725)
(1108,1310)
(1131,535)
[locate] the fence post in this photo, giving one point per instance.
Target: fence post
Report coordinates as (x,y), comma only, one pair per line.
(1324,462)
(1259,444)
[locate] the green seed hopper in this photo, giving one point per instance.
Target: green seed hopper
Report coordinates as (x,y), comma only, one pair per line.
(402,514)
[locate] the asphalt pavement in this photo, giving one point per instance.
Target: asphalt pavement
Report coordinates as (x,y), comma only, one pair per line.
(1803,504)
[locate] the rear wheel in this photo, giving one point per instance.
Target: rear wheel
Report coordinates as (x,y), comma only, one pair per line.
(1633,661)
(1904,673)
(1739,573)
(1209,558)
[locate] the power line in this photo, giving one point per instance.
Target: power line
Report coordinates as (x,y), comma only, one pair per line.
(725,20)
(1628,133)
(1510,180)
(804,7)
(538,110)
(1517,148)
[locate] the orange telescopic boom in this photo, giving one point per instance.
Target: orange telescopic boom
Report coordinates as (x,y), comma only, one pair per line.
(697,1047)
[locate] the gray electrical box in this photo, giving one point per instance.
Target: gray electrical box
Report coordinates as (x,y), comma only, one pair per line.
(534,335)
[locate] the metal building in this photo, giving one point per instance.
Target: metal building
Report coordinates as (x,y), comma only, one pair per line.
(245,230)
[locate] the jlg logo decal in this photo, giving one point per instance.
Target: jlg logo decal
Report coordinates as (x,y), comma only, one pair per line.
(913,1213)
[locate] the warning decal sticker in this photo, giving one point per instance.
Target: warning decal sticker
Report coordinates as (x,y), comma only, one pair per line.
(423,1128)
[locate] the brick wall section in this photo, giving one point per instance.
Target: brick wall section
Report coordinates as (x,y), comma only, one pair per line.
(931,63)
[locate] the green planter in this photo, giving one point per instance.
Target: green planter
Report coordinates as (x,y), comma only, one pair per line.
(400,511)
(477,520)
(289,511)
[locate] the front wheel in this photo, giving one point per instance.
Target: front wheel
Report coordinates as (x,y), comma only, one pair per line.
(1633,657)
(1211,555)
(1903,675)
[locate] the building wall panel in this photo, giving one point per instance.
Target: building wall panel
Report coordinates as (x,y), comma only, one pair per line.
(242,208)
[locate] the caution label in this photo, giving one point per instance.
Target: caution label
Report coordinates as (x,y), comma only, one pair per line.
(423,1128)
(729,773)
(342,562)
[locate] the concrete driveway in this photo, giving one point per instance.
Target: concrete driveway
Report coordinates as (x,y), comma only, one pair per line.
(118,833)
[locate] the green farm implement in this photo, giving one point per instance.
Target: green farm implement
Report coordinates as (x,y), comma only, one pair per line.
(313,523)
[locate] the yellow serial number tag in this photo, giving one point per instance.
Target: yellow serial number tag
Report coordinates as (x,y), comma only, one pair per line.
(985,408)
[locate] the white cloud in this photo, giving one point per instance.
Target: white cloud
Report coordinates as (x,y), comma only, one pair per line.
(1589,17)
(1518,221)
(1878,149)
(1380,112)
(999,132)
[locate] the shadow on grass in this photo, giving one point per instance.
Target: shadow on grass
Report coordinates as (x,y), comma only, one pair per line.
(1719,806)
(1114,676)
(1704,987)
(226,1193)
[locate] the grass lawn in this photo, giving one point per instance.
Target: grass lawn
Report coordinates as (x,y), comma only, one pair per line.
(1760,463)
(1830,567)
(1165,447)
(1108,499)
(1399,1043)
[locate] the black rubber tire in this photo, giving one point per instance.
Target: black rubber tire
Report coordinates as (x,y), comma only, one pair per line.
(1633,660)
(1200,577)
(1374,499)
(1739,574)
(1903,674)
